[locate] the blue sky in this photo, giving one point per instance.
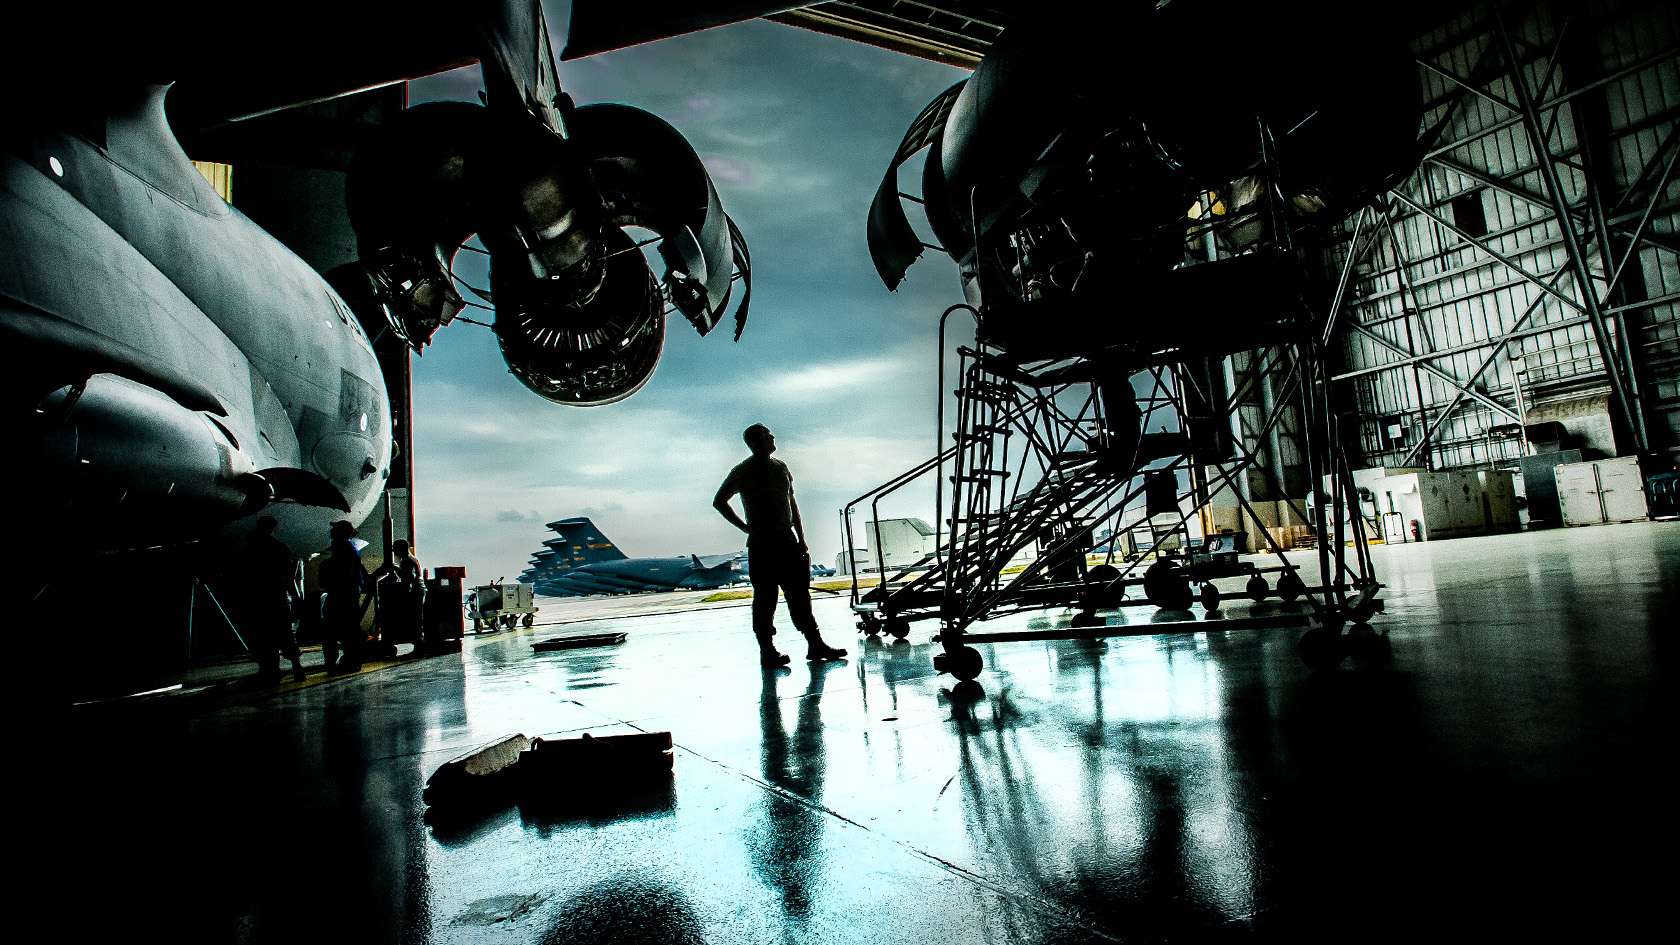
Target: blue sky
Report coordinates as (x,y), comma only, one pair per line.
(796,129)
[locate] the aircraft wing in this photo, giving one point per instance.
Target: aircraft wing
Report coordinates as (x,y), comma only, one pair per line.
(348,47)
(956,32)
(602,27)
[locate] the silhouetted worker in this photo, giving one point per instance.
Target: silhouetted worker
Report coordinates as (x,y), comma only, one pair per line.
(268,576)
(777,555)
(403,598)
(343,578)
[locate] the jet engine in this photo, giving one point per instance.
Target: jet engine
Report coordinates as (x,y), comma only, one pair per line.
(579,314)
(1095,155)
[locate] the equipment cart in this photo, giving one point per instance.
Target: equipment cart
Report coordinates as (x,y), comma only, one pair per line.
(501,607)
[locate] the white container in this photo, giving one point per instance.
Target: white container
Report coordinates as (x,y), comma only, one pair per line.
(1601,491)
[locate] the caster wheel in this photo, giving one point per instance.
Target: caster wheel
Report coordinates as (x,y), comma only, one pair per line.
(1321,648)
(1210,598)
(1366,645)
(1257,589)
(1165,586)
(1102,574)
(529,621)
(898,628)
(869,628)
(964,663)
(1101,591)
(1290,586)
(1085,618)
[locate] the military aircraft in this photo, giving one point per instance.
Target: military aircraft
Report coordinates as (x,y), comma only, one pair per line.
(580,562)
(173,370)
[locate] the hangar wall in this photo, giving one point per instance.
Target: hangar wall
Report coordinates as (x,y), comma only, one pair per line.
(1464,315)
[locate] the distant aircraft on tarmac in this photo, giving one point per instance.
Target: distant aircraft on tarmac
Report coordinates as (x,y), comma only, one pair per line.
(581,562)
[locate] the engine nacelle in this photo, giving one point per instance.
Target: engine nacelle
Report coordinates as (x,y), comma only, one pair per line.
(1066,167)
(580,315)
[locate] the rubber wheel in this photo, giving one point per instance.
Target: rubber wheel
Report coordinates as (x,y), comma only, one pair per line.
(1102,574)
(530,620)
(1165,586)
(1085,618)
(1321,648)
(1210,598)
(1257,589)
(1290,586)
(1099,595)
(898,628)
(1366,645)
(965,663)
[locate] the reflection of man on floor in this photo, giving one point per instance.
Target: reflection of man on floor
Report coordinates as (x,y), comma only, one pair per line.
(786,839)
(777,556)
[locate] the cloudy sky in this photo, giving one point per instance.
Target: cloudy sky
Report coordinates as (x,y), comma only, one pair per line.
(796,129)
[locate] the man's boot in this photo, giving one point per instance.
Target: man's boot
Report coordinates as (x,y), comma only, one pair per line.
(768,657)
(818,651)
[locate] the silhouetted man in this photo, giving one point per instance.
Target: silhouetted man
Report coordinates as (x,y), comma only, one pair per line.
(403,597)
(777,555)
(268,576)
(343,578)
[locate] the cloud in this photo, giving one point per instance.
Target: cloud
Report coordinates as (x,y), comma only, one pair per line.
(728,170)
(796,129)
(829,379)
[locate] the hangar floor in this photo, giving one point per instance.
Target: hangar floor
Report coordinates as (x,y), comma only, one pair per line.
(1499,769)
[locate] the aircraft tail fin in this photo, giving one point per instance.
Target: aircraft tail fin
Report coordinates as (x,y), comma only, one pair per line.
(579,543)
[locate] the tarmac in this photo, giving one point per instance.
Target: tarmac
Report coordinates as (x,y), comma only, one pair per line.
(1495,766)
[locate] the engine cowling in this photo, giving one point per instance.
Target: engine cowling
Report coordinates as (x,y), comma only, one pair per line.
(580,315)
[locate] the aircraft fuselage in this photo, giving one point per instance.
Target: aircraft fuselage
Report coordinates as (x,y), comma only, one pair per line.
(176,369)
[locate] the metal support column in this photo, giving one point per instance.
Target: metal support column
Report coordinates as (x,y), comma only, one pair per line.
(1631,415)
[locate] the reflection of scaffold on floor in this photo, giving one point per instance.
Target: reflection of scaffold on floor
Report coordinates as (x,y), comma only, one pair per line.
(1051,452)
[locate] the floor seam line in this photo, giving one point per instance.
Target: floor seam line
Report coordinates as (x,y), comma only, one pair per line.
(959,871)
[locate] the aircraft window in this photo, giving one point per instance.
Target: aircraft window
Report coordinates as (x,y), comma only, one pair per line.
(57,168)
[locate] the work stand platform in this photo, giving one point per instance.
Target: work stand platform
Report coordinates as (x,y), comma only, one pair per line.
(1049,463)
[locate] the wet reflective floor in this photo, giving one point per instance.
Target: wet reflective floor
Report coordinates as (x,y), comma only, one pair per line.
(1499,766)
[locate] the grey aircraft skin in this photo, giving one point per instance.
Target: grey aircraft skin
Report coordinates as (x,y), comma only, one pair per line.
(188,369)
(171,371)
(581,562)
